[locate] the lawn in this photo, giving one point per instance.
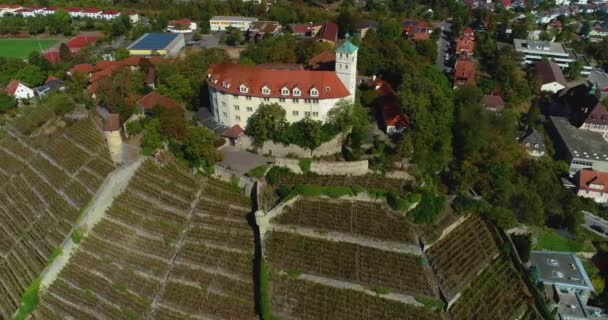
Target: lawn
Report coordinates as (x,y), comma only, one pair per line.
(21,48)
(551,240)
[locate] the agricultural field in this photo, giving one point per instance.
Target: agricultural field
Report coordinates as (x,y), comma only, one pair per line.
(21,48)
(398,186)
(461,254)
(43,189)
(172,246)
(350,275)
(498,292)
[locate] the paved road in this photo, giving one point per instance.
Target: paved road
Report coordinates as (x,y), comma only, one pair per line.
(442,45)
(593,220)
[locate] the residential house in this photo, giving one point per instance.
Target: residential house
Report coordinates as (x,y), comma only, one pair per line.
(112,132)
(566,283)
(550,75)
(92,13)
(9,9)
(154,99)
(464,71)
(493,103)
(325,32)
(416,30)
(533,142)
(585,111)
(49,10)
(110,14)
(221,23)
(19,90)
(133,17)
(465,45)
(80,42)
(506,4)
(532,51)
(74,12)
(25,12)
(468,32)
(363,26)
(260,28)
(593,185)
(233,134)
(181,26)
(51,84)
(392,119)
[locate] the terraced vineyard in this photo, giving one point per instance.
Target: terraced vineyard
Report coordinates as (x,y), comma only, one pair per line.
(170,247)
(366,182)
(461,254)
(43,189)
(316,275)
(358,217)
(497,293)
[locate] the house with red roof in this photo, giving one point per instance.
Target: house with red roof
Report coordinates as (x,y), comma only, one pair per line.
(236,91)
(52,56)
(468,32)
(416,30)
(110,14)
(592,184)
(133,17)
(19,90)
(465,45)
(326,32)
(74,12)
(393,120)
(464,72)
(181,26)
(26,12)
(83,68)
(92,13)
(9,9)
(154,99)
(49,10)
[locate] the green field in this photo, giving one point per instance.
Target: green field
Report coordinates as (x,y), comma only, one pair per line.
(21,48)
(550,240)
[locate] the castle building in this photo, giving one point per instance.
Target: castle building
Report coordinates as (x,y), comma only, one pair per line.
(236,91)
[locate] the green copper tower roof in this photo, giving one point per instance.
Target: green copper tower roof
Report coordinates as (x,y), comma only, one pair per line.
(347,47)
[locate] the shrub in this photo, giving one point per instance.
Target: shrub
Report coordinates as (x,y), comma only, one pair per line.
(430,206)
(402,204)
(523,245)
(77,236)
(257,172)
(273,175)
(435,304)
(315,191)
(305,165)
(134,127)
(29,300)
(264,292)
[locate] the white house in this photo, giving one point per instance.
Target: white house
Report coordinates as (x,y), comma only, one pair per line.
(26,12)
(74,12)
(111,130)
(19,90)
(236,91)
(593,184)
(133,17)
(181,26)
(92,13)
(220,23)
(49,10)
(110,14)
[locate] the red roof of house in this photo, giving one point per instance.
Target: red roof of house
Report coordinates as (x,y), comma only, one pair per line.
(112,122)
(593,180)
(493,102)
(83,67)
(51,56)
(506,3)
(79,42)
(464,71)
(180,23)
(73,9)
(234,132)
(131,61)
(104,64)
(465,44)
(233,76)
(598,115)
(468,31)
(389,104)
(103,73)
(91,10)
(329,31)
(155,99)
(325,58)
(12,87)
(111,11)
(50,78)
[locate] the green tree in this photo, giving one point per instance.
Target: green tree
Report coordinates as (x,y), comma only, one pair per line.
(200,149)
(266,123)
(233,36)
(173,123)
(152,138)
(311,130)
(60,103)
(6,102)
(32,75)
(121,53)
(176,86)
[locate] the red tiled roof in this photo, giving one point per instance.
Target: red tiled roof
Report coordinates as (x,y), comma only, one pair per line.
(327,83)
(79,42)
(91,10)
(329,32)
(234,132)
(464,72)
(111,11)
(154,98)
(465,44)
(468,32)
(180,23)
(103,73)
(83,67)
(50,78)
(325,58)
(131,61)
(421,36)
(593,180)
(549,72)
(73,9)
(112,122)
(104,64)
(389,104)
(506,3)
(51,56)
(598,115)
(12,87)
(493,102)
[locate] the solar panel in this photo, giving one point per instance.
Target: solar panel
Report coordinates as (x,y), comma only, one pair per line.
(153,41)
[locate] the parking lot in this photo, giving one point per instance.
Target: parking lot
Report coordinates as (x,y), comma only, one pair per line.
(596,224)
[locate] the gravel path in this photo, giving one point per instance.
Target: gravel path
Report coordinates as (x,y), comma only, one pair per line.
(113,185)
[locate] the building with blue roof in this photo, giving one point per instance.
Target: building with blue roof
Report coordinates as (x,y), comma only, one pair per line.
(157,44)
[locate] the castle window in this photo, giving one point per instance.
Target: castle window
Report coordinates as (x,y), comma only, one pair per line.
(248,98)
(285,91)
(225,114)
(236,96)
(307,113)
(223,104)
(346,66)
(237,117)
(225,84)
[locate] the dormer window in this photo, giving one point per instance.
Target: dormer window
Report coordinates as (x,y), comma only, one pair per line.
(265,90)
(243,88)
(225,84)
(285,91)
(296,92)
(314,92)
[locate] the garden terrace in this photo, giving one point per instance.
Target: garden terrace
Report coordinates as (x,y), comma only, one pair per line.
(370,267)
(361,218)
(496,293)
(43,187)
(461,254)
(301,299)
(398,186)
(161,253)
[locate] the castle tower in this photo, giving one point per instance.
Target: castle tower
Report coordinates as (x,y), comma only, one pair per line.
(346,66)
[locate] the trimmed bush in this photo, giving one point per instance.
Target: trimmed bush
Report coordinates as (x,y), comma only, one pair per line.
(273,175)
(257,172)
(305,165)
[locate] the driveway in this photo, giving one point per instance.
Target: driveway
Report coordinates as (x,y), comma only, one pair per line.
(241,161)
(593,220)
(442,44)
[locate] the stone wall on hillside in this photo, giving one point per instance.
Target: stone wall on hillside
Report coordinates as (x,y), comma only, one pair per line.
(280,150)
(350,168)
